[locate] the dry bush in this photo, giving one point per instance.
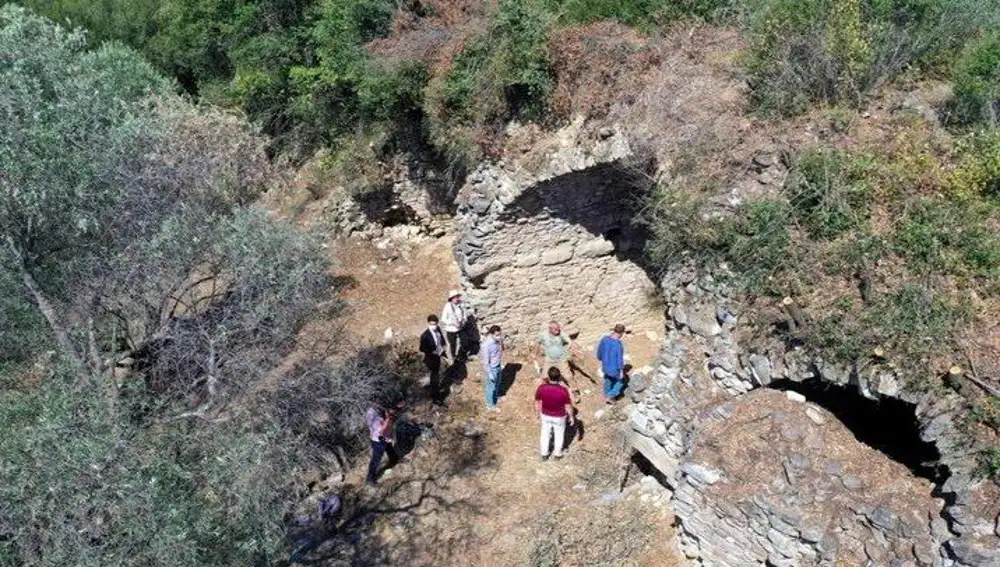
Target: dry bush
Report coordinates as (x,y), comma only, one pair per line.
(597,66)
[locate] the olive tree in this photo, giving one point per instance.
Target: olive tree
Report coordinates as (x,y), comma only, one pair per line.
(128,234)
(124,213)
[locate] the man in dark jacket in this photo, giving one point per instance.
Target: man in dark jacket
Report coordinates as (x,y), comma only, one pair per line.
(433,345)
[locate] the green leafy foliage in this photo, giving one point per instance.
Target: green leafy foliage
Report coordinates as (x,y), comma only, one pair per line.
(23,332)
(84,485)
(644,14)
(837,50)
(950,236)
(759,243)
(503,74)
(990,462)
(977,82)
(978,172)
(127,234)
(133,22)
(828,192)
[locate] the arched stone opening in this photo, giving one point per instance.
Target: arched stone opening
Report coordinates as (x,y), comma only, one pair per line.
(888,425)
(567,248)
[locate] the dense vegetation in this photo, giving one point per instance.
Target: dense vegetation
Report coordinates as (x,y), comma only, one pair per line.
(130,246)
(145,300)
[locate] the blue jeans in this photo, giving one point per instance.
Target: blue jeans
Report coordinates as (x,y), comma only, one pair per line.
(492,384)
(612,386)
(380,448)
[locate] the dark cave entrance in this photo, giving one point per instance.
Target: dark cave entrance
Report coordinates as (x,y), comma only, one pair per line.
(381,206)
(605,200)
(888,425)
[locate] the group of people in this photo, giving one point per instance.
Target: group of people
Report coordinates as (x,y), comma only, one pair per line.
(452,338)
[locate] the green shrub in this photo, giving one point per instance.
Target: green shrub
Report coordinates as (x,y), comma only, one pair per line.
(679,229)
(949,236)
(503,74)
(827,51)
(755,242)
(640,13)
(977,82)
(130,21)
(829,192)
(85,485)
(978,171)
(911,323)
(987,412)
(990,462)
(759,244)
(23,333)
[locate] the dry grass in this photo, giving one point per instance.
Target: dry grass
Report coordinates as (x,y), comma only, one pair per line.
(433,31)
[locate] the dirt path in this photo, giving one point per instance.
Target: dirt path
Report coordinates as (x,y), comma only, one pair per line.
(474,492)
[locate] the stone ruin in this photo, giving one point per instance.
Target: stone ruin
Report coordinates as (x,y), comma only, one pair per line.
(556,240)
(762,477)
(757,477)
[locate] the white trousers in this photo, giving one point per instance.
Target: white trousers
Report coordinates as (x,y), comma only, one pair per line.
(552,426)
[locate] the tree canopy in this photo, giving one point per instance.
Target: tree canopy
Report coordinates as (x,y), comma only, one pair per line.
(130,248)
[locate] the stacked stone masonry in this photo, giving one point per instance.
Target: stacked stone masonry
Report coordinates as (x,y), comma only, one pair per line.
(555,242)
(793,500)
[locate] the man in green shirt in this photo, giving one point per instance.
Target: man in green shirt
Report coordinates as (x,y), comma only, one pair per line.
(556,349)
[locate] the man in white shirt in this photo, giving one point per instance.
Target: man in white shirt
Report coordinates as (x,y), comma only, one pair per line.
(453,320)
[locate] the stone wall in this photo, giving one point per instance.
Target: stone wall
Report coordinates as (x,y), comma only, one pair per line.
(551,237)
(759,480)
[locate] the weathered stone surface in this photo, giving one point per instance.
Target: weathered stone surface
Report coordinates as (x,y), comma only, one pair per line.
(655,454)
(558,255)
(761,368)
(887,385)
(703,324)
(970,553)
(701,473)
(815,416)
(481,269)
(595,248)
(883,518)
(527,259)
(851,482)
(795,397)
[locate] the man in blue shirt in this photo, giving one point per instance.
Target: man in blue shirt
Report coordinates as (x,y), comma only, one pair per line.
(611,353)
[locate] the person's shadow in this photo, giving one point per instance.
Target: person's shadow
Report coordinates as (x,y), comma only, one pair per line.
(407,433)
(455,374)
(471,340)
(626,376)
(574,432)
(507,377)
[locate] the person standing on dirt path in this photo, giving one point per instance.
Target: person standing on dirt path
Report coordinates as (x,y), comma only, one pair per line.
(380,421)
(492,356)
(611,353)
(454,318)
(433,345)
(555,349)
(554,407)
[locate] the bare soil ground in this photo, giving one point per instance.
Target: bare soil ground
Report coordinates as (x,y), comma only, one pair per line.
(474,491)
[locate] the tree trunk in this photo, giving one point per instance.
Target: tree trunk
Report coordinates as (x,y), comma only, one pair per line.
(58,330)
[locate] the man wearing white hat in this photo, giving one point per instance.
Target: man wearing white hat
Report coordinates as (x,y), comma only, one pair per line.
(453,320)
